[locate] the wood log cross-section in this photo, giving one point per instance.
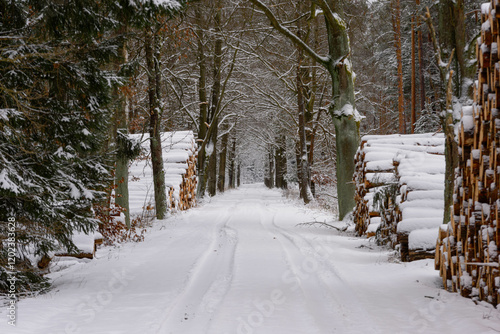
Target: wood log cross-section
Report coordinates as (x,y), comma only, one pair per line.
(179,164)
(396,178)
(467,255)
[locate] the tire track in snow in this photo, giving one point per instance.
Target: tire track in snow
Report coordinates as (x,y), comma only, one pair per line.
(344,297)
(326,319)
(208,283)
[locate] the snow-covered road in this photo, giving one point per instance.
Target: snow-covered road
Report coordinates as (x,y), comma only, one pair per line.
(240,264)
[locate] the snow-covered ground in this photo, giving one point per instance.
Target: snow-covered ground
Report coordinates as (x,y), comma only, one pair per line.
(240,264)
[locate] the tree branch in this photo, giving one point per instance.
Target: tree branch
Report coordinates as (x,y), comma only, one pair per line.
(290,35)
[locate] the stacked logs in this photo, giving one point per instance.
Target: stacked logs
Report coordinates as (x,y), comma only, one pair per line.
(418,213)
(390,181)
(179,155)
(179,152)
(373,170)
(468,249)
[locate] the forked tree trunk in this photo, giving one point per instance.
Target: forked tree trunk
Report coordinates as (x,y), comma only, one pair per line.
(342,109)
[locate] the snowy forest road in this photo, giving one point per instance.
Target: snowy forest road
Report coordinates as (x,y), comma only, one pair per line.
(242,264)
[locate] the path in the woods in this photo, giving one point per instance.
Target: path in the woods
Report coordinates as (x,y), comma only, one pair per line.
(240,264)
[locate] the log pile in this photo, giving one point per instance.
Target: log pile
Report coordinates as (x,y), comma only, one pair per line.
(418,213)
(397,175)
(468,249)
(375,170)
(179,155)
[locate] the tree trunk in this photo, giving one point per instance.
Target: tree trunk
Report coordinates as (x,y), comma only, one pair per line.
(221,182)
(280,157)
(121,137)
(203,102)
(232,167)
(460,45)
(270,175)
(303,161)
(452,37)
(421,79)
(447,122)
(344,114)
(216,92)
(396,24)
(238,175)
(413,78)
(155,128)
(451,157)
(212,162)
(450,153)
(343,107)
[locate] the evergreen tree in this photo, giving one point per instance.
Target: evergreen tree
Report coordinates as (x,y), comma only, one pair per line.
(53,117)
(56,91)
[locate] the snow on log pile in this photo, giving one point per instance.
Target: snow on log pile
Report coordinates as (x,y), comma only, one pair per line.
(179,162)
(418,213)
(394,174)
(467,256)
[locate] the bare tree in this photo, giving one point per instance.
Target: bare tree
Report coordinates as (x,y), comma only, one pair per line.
(342,108)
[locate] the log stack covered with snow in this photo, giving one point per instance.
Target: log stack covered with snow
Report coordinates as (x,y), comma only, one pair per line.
(397,178)
(179,162)
(467,255)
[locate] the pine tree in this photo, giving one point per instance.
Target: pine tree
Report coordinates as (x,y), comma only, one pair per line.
(53,116)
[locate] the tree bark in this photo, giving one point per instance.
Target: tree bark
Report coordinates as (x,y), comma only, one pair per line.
(421,79)
(121,135)
(413,78)
(155,127)
(396,24)
(343,110)
(232,167)
(452,37)
(451,147)
(216,92)
(302,161)
(271,171)
(212,162)
(203,102)
(221,181)
(238,175)
(281,167)
(303,93)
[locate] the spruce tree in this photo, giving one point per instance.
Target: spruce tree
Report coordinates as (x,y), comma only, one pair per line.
(53,121)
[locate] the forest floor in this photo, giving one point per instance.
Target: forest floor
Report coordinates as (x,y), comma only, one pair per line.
(242,263)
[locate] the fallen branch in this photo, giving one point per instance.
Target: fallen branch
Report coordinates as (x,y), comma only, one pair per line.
(323,224)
